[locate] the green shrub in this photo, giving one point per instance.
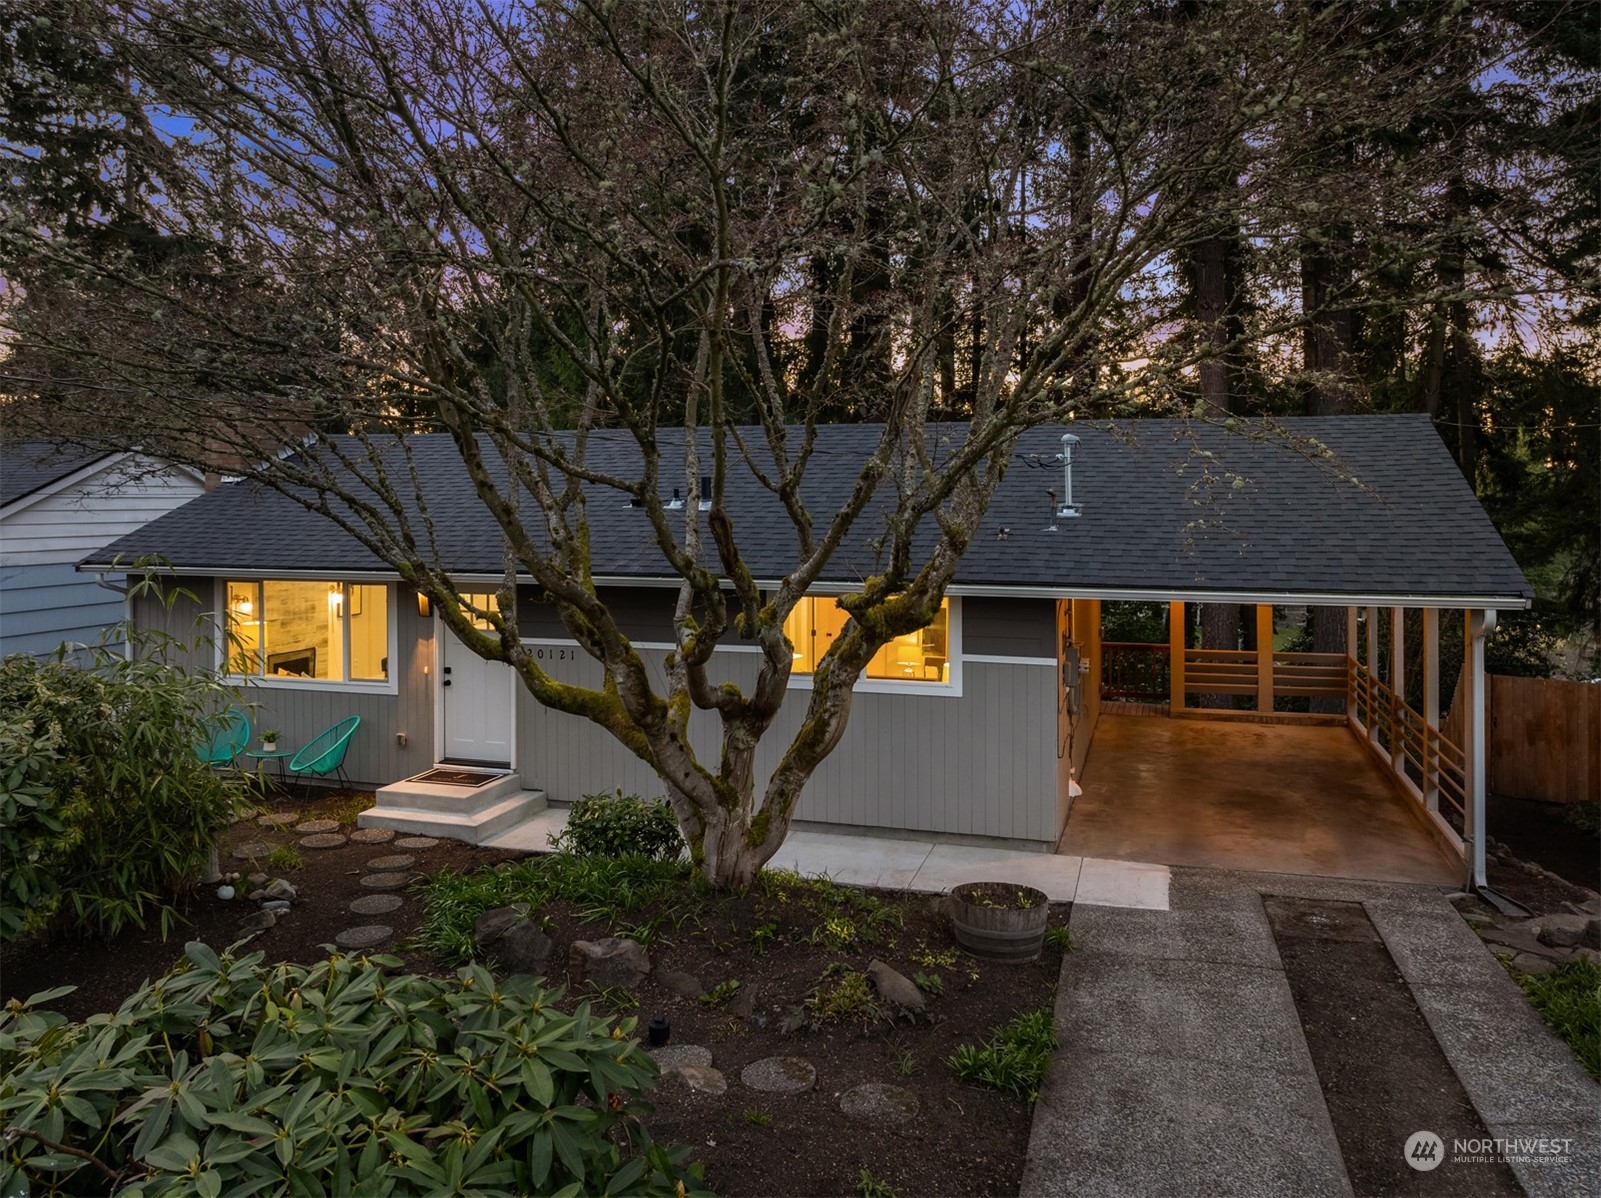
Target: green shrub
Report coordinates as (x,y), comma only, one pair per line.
(1586,817)
(286,859)
(335,1078)
(1015,1058)
(106,810)
(608,889)
(619,825)
(1569,1000)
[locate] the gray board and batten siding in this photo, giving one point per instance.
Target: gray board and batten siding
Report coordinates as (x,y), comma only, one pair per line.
(301,710)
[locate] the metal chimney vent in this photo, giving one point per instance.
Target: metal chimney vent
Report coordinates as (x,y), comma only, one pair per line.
(1068,508)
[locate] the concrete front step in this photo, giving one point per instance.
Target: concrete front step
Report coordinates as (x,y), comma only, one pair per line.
(477,825)
(451,800)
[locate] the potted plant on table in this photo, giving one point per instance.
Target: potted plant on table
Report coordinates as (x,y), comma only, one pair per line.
(1000,921)
(269,741)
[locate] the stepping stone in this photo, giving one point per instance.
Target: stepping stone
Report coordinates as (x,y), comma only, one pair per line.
(372,836)
(277,819)
(779,1075)
(322,840)
(256,848)
(678,1056)
(384,864)
(367,936)
(376,904)
(874,1100)
(416,842)
(318,825)
(702,1079)
(392,881)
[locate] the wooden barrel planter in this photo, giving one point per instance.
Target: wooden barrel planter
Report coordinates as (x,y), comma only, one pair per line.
(1000,921)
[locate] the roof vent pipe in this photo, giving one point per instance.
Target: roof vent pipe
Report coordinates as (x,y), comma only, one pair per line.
(705,493)
(1068,507)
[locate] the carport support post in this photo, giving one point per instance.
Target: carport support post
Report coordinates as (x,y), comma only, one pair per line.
(1398,685)
(1264,657)
(1350,653)
(1373,675)
(1431,708)
(1478,625)
(1176,640)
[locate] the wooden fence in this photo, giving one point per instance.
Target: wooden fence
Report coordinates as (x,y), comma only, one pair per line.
(1544,737)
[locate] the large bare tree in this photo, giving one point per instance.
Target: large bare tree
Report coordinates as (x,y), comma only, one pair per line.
(705,225)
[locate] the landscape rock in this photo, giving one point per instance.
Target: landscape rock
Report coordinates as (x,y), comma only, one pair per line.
(609,962)
(255,848)
(1569,931)
(677,1056)
(874,1100)
(372,836)
(702,1079)
(1590,906)
(894,987)
(280,889)
(743,1004)
(780,1075)
(1520,940)
(278,906)
(256,879)
(259,922)
(256,895)
(375,904)
(792,1022)
(1529,963)
(366,936)
(686,985)
(512,938)
(1589,954)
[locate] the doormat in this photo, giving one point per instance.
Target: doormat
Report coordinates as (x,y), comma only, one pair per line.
(467,778)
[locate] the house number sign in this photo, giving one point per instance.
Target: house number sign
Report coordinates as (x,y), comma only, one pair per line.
(551,653)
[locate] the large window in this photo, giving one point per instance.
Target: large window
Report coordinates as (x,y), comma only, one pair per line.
(922,656)
(323,631)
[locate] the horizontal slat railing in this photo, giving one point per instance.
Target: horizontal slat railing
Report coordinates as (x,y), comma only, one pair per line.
(1434,765)
(1309,674)
(1219,671)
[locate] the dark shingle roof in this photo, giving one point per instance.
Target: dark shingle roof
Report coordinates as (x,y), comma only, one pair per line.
(29,466)
(1168,506)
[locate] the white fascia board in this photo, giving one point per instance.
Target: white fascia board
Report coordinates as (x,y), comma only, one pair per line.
(24,502)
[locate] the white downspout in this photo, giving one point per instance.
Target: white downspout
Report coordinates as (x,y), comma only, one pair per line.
(1480,624)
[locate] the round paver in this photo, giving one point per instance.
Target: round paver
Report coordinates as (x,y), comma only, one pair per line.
(702,1079)
(676,1056)
(385,864)
(366,936)
(779,1075)
(372,836)
(256,848)
(395,881)
(277,819)
(375,904)
(874,1100)
(416,842)
(322,840)
(318,825)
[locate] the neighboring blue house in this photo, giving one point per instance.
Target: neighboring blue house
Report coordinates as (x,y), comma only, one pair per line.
(59,503)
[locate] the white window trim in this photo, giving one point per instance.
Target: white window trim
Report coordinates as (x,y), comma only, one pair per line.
(951,688)
(388,686)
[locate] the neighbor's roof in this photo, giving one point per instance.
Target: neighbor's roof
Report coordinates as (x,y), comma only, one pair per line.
(30,466)
(1170,508)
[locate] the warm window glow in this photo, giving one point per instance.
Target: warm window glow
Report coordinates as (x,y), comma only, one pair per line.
(480,601)
(329,631)
(922,656)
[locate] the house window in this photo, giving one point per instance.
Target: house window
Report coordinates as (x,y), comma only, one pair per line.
(917,657)
(319,631)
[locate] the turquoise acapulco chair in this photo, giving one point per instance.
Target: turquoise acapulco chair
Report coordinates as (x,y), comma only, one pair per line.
(227,740)
(325,753)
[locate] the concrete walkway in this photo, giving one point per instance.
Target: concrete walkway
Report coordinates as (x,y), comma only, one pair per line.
(1183,1069)
(925,867)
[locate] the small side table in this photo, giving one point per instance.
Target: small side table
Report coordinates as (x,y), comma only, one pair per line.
(278,755)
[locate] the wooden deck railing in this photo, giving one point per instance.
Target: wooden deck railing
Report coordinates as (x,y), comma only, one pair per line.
(1143,672)
(1433,766)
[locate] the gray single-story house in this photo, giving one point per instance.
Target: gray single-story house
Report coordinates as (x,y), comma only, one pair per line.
(983,727)
(58,502)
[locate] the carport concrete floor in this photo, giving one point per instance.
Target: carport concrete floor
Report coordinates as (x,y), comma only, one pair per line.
(1282,798)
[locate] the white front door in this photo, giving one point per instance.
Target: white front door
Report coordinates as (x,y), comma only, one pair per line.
(479,700)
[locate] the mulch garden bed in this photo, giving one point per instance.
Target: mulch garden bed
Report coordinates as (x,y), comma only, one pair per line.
(781,942)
